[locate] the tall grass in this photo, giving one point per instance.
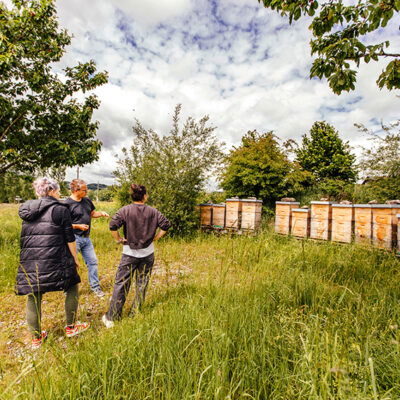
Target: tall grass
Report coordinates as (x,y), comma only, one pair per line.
(262,317)
(9,244)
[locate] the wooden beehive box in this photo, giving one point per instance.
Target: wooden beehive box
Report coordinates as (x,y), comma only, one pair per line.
(300,222)
(398,233)
(384,225)
(342,222)
(363,223)
(206,214)
(218,218)
(251,214)
(283,216)
(233,213)
(321,217)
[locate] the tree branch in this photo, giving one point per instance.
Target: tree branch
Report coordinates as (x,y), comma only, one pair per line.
(4,168)
(4,134)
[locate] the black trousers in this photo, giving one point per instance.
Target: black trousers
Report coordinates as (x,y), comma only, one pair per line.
(129,266)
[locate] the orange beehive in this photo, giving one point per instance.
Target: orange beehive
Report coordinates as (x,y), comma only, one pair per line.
(342,222)
(321,217)
(251,214)
(206,214)
(283,216)
(398,233)
(218,218)
(300,224)
(384,225)
(363,223)
(233,213)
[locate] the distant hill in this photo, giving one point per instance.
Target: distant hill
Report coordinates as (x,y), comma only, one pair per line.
(93,186)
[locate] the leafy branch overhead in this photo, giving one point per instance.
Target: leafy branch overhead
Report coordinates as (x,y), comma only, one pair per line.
(340,36)
(41,123)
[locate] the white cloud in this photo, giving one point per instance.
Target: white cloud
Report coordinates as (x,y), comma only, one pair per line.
(243,65)
(151,12)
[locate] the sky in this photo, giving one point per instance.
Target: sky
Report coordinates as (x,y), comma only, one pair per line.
(234,60)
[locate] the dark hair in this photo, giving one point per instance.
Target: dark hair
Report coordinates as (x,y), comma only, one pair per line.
(137,192)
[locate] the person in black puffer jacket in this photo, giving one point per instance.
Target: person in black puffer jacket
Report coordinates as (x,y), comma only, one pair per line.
(48,260)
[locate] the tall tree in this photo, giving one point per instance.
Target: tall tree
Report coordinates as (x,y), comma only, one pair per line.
(174,167)
(327,157)
(341,41)
(41,123)
(14,185)
(260,167)
(381,162)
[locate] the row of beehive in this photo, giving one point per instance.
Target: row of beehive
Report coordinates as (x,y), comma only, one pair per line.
(234,214)
(368,223)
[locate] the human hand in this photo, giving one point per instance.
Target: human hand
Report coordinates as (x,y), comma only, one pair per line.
(122,241)
(82,227)
(104,214)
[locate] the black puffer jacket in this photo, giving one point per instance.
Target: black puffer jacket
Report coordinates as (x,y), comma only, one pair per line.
(46,264)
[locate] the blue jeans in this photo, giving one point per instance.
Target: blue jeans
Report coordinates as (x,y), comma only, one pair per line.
(85,246)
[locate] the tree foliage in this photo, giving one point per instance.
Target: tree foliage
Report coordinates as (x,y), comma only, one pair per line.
(381,162)
(173,167)
(324,154)
(41,123)
(260,167)
(341,38)
(13,185)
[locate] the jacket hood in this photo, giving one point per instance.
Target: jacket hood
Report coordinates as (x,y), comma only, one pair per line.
(33,209)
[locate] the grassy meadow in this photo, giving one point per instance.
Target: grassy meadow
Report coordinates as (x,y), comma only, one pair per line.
(264,317)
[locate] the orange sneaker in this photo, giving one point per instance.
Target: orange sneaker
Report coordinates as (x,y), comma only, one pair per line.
(37,342)
(78,328)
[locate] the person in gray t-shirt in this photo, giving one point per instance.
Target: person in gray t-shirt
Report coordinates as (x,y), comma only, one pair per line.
(140,223)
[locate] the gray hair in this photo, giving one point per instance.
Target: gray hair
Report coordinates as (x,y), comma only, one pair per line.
(43,186)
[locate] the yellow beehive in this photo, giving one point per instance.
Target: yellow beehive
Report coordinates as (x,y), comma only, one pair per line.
(218,217)
(363,223)
(300,224)
(251,214)
(384,225)
(233,213)
(321,217)
(342,222)
(283,216)
(206,214)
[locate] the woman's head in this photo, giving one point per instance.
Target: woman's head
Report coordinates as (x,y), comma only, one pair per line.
(138,192)
(45,186)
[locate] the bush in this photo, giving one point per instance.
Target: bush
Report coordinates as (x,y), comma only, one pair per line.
(173,167)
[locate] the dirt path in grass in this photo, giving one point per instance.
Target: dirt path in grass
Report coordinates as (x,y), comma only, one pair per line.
(15,338)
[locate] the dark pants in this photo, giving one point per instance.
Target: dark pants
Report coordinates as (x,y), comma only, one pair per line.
(126,269)
(34,309)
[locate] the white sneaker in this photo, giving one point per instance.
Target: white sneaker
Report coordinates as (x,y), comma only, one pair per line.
(99,293)
(107,322)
